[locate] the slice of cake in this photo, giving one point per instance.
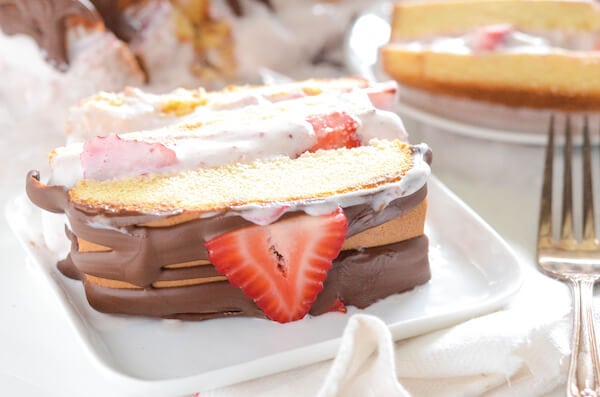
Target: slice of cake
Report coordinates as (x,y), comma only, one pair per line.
(531,53)
(276,238)
(273,210)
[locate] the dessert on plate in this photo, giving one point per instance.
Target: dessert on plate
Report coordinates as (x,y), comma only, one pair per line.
(276,209)
(519,53)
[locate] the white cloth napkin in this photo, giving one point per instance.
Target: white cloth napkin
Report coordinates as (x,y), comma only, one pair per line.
(519,351)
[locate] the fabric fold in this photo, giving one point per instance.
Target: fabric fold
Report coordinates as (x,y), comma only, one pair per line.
(522,350)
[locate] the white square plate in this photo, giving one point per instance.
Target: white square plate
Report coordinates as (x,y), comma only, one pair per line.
(473,272)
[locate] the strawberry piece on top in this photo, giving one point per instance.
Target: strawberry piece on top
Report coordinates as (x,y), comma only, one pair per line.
(335,130)
(281,266)
(489,38)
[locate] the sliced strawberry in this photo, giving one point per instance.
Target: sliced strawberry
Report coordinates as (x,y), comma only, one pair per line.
(281,266)
(334,131)
(488,38)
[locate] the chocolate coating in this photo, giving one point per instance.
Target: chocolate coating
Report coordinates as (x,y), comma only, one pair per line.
(236,6)
(358,278)
(138,256)
(362,277)
(45,21)
(51,198)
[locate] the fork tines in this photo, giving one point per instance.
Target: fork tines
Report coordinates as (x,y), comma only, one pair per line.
(567,235)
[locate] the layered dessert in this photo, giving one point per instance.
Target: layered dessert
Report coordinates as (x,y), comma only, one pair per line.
(537,54)
(273,210)
(55,52)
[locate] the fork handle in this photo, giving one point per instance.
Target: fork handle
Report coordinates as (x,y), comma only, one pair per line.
(584,371)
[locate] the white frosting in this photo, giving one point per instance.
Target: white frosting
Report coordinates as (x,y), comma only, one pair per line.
(66,165)
(130,110)
(261,131)
(514,42)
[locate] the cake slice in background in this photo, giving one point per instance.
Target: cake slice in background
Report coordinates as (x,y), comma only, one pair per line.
(522,53)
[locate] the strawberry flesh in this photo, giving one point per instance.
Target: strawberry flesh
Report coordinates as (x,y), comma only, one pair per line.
(337,306)
(281,266)
(335,130)
(488,38)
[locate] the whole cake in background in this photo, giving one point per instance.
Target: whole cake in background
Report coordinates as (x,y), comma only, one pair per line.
(541,54)
(55,52)
(272,202)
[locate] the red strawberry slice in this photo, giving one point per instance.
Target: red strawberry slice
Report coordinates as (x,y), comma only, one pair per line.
(281,266)
(334,131)
(337,305)
(488,38)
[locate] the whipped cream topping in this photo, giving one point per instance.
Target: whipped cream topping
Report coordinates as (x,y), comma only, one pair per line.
(135,110)
(209,139)
(130,110)
(506,39)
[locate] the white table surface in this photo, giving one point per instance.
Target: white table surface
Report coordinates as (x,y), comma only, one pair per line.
(41,355)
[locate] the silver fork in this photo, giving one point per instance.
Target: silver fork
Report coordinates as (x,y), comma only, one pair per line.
(575,262)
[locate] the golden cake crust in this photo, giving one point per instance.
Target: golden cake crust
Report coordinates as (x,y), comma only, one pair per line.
(567,81)
(421,19)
